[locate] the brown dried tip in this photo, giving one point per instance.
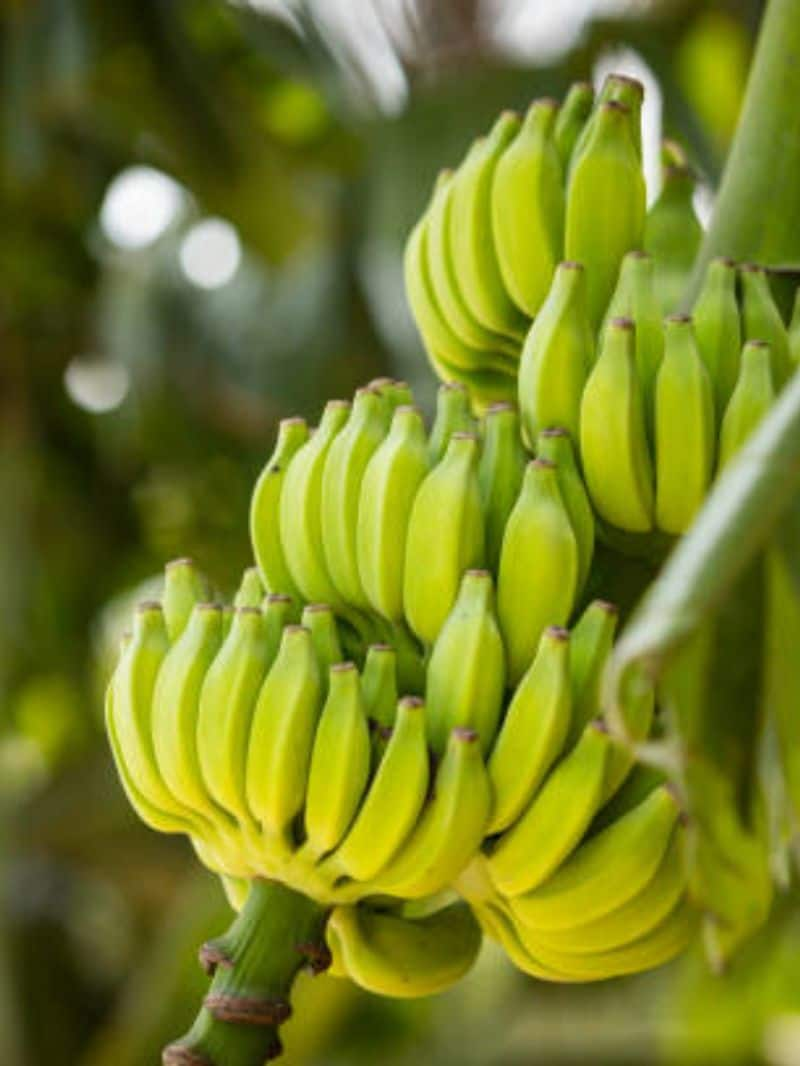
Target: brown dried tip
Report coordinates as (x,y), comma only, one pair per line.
(509,112)
(179,1054)
(478,572)
(623,323)
(379,383)
(208,607)
(342,668)
(183,561)
(615,105)
(318,956)
(278,597)
(554,431)
(294,627)
(558,633)
(626,79)
(499,408)
(756,344)
(338,404)
(599,725)
(295,420)
(454,386)
(147,605)
(463,435)
(467,736)
(680,317)
(412,703)
(247,1010)
(542,464)
(318,608)
(247,610)
(725,260)
(607,606)
(408,408)
(571,264)
(380,647)
(548,101)
(211,956)
(638,253)
(751,268)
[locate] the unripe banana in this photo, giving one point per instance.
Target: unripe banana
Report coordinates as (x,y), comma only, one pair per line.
(605,203)
(340,762)
(527,204)
(500,472)
(320,621)
(571,119)
(403,957)
(466,669)
(537,723)
(717,329)
(265,531)
(672,231)
(685,432)
(591,641)
(393,802)
(763,322)
(751,399)
(395,393)
(301,509)
(485,386)
(277,611)
(445,537)
(471,237)
(379,685)
(451,828)
(184,588)
(557,356)
(794,332)
(348,457)
(555,446)
(227,701)
(557,818)
(251,591)
(388,488)
(453,415)
(618,89)
(635,297)
(616,459)
(282,734)
(607,870)
(539,567)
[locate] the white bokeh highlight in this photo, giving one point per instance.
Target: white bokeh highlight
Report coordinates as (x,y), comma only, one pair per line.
(139,205)
(210,253)
(96,385)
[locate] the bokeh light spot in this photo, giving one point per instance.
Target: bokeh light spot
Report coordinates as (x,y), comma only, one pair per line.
(96,385)
(138,206)
(210,253)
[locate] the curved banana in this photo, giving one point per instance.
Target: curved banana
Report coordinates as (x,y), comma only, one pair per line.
(500,473)
(763,322)
(445,537)
(571,119)
(265,531)
(251,591)
(527,205)
(388,488)
(717,329)
(672,231)
(184,588)
(486,386)
(466,669)
(555,446)
(403,957)
(752,398)
(453,415)
(616,459)
(558,816)
(685,435)
(557,356)
(536,723)
(379,685)
(538,576)
(591,640)
(635,297)
(320,621)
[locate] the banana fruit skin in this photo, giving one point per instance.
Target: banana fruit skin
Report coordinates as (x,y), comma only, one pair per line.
(571,119)
(183,590)
(453,415)
(555,446)
(717,329)
(673,233)
(763,322)
(752,397)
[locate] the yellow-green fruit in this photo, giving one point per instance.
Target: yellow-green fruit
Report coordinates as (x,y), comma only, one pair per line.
(636,298)
(528,208)
(453,415)
(319,620)
(539,567)
(251,591)
(618,89)
(614,450)
(184,588)
(717,329)
(555,445)
(685,431)
(763,322)
(466,669)
(752,398)
(672,232)
(502,466)
(557,355)
(591,640)
(379,685)
(571,119)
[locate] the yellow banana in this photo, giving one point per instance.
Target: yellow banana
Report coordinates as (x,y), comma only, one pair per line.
(685,433)
(500,472)
(184,588)
(616,459)
(466,669)
(539,568)
(763,322)
(527,205)
(591,641)
(533,732)
(752,398)
(571,119)
(717,329)
(557,356)
(555,446)
(452,416)
(445,537)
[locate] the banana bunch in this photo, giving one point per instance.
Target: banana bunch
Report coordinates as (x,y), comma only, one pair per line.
(280,759)
(380,519)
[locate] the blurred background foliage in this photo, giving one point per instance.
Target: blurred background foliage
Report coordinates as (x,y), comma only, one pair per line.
(203,208)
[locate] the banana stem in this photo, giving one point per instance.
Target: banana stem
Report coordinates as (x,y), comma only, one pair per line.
(254,965)
(757,214)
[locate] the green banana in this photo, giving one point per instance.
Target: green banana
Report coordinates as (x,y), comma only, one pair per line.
(395,393)
(590,646)
(471,236)
(557,356)
(763,322)
(560,813)
(486,386)
(393,802)
(752,398)
(452,416)
(538,575)
(606,871)
(555,446)
(617,89)
(635,298)
(347,459)
(672,231)
(537,723)
(403,957)
(301,509)
(388,488)
(445,537)
(500,473)
(265,505)
(571,119)
(184,588)
(282,734)
(379,685)
(605,210)
(685,432)
(320,621)
(466,669)
(227,702)
(717,329)
(614,450)
(451,827)
(340,762)
(527,205)
(251,591)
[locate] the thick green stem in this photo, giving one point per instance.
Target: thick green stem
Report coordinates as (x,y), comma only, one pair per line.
(254,964)
(757,214)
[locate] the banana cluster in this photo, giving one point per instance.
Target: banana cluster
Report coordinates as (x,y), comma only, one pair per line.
(279,758)
(380,519)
